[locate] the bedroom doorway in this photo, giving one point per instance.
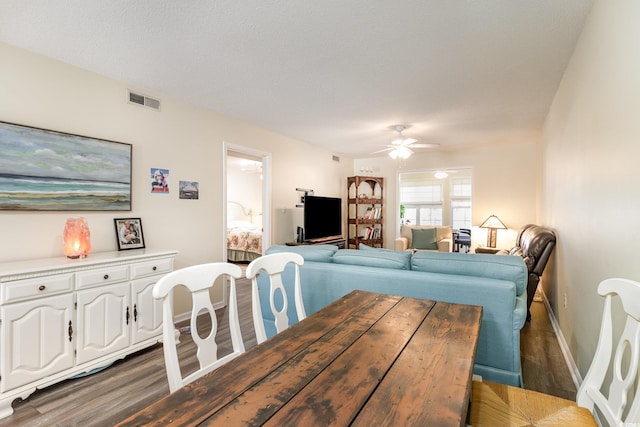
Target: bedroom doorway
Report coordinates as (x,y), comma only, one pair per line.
(246,204)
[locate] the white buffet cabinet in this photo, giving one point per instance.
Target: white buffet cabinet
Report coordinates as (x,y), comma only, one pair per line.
(62,317)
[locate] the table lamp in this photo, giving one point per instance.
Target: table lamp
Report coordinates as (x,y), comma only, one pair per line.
(492,223)
(77,242)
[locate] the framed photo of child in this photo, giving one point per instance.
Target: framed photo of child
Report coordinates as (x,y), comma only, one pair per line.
(129,233)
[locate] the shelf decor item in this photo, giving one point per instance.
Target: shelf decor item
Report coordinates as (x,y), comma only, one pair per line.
(129,233)
(77,238)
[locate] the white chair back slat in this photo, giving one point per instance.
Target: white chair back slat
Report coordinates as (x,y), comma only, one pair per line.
(277,287)
(207,352)
(623,362)
(198,279)
(273,265)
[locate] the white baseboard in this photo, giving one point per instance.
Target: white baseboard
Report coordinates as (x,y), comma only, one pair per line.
(571,364)
(181,317)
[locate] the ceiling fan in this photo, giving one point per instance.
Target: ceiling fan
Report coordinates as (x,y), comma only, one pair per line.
(401,146)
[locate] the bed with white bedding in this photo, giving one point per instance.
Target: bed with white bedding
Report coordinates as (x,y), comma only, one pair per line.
(244,239)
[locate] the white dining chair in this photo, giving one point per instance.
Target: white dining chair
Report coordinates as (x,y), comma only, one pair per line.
(624,382)
(497,404)
(198,279)
(273,265)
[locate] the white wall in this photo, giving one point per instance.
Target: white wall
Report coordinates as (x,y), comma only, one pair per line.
(245,188)
(505,180)
(591,180)
(41,92)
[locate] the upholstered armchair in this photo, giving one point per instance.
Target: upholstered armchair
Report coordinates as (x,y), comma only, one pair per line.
(535,245)
(424,237)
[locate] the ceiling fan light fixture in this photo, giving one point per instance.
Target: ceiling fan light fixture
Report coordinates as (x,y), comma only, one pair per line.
(440,175)
(405,152)
(397,141)
(401,147)
(401,152)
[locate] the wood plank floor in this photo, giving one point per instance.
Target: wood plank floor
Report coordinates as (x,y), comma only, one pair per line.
(543,366)
(129,385)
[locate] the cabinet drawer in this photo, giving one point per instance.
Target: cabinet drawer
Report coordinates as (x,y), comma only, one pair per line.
(33,288)
(159,266)
(102,276)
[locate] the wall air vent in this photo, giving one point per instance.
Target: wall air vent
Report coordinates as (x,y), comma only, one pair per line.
(336,158)
(145,101)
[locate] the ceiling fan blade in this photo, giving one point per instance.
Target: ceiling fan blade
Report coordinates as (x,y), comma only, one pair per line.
(383,150)
(427,145)
(401,141)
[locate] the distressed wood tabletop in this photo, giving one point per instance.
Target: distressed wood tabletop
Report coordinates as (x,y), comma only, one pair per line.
(366,359)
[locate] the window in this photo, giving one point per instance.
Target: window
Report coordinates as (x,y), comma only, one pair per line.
(461,202)
(431,201)
(422,197)
(423,215)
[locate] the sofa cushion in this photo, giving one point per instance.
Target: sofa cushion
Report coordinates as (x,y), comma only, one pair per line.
(424,238)
(374,258)
(364,247)
(318,253)
(490,266)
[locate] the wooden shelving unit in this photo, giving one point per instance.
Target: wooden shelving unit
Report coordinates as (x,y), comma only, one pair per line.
(365,211)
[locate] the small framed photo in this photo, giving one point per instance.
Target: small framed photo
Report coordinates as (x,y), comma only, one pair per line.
(129,233)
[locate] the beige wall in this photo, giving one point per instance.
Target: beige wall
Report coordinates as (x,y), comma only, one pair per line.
(245,188)
(504,184)
(590,188)
(49,94)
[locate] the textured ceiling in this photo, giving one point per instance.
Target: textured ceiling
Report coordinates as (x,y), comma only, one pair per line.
(332,73)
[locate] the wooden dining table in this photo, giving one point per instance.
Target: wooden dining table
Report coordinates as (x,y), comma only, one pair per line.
(367,359)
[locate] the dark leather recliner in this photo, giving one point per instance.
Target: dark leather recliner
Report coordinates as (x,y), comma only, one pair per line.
(535,245)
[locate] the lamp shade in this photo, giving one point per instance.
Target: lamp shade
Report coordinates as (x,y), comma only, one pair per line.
(493,222)
(77,239)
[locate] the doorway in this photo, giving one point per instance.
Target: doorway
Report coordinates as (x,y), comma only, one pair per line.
(246,200)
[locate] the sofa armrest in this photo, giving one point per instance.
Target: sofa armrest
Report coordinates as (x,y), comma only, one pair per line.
(401,244)
(445,245)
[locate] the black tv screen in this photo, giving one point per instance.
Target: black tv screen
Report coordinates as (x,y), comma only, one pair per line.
(322,217)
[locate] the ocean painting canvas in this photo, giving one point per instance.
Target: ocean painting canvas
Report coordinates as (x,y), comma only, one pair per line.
(44,170)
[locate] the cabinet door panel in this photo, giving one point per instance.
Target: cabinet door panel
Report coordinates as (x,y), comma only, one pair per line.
(148,310)
(102,321)
(36,340)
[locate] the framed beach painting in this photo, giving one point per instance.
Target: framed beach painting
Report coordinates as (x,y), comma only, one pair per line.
(45,170)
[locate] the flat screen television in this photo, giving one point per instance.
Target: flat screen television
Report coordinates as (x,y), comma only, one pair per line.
(322,217)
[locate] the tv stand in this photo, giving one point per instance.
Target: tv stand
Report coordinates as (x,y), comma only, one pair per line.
(336,241)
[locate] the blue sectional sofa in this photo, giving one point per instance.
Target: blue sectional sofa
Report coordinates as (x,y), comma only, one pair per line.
(497,283)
